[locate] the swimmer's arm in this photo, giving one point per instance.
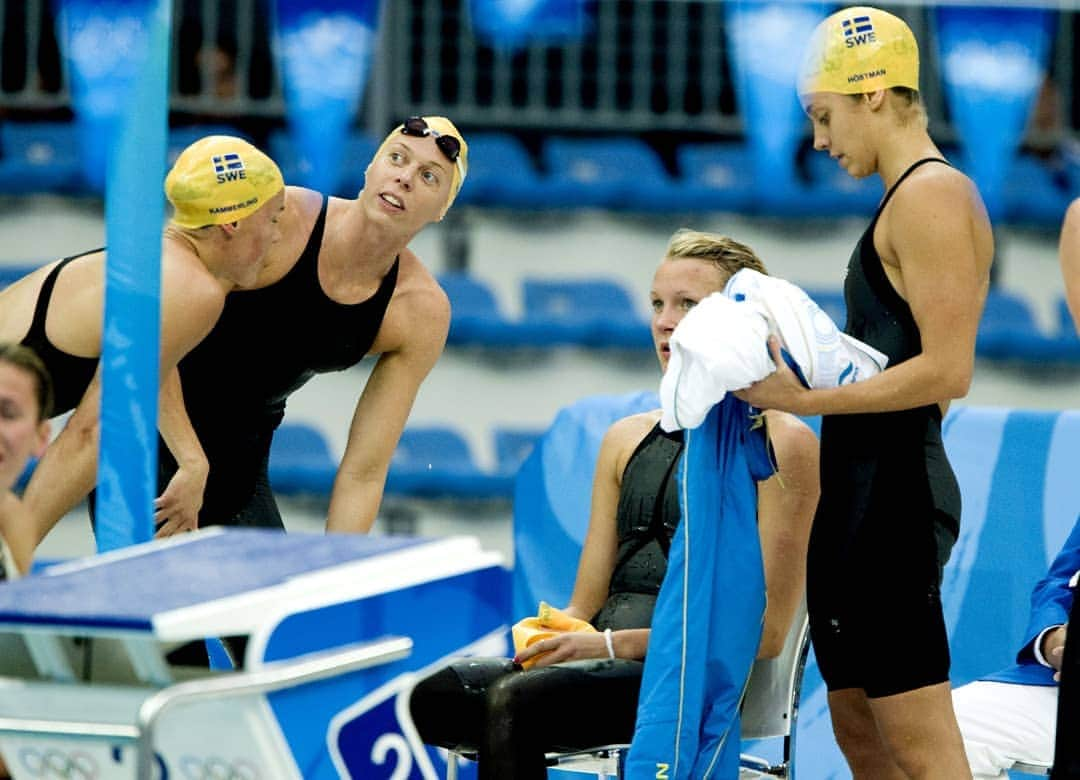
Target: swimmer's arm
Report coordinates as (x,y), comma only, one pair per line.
(191,303)
(177,508)
(1069,255)
(786,505)
(16,529)
(65,474)
(383,410)
(598,556)
(598,553)
(930,234)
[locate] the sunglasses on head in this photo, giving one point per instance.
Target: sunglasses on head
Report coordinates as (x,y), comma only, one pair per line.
(448,144)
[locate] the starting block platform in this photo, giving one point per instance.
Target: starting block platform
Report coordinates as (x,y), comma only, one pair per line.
(338,627)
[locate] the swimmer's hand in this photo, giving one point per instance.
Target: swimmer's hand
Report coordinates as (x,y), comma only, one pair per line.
(1053,649)
(779,390)
(177,509)
(568,646)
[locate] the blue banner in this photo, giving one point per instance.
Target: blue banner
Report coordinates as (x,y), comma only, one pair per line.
(324,50)
(104,46)
(766,40)
(993,61)
(117,51)
(515,23)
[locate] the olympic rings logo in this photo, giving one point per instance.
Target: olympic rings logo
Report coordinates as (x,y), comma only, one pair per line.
(215,768)
(55,763)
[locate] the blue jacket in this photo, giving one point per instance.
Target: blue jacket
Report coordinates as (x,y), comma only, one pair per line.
(1051,601)
(707,623)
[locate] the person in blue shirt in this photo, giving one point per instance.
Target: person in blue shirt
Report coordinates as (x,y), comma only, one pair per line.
(1010,715)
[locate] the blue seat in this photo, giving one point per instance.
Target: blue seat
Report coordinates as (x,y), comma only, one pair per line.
(436,461)
(502,174)
(615,173)
(40,157)
(1066,326)
(300,461)
(1035,195)
(715,177)
(475,317)
(13,273)
(833,192)
(1008,331)
(512,446)
(586,312)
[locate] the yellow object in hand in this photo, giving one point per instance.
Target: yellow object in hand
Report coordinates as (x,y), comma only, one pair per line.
(548,622)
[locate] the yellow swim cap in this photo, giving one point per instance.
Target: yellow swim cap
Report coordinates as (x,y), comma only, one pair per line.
(860,49)
(440,126)
(220,179)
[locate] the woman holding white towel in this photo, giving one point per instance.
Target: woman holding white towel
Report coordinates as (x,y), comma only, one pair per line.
(890,505)
(581,687)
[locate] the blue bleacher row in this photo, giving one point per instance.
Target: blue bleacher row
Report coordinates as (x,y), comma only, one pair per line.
(432,461)
(616,173)
(601,313)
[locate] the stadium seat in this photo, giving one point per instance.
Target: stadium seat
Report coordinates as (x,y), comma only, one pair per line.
(512,446)
(436,462)
(616,173)
(586,312)
(39,157)
(501,174)
(301,462)
(1008,331)
(12,273)
(1035,194)
(475,317)
(1066,326)
(715,177)
(833,192)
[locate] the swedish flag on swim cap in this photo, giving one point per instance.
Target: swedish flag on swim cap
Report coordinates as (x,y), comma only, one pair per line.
(860,49)
(220,179)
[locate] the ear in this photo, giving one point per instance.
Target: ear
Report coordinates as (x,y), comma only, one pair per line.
(44,432)
(230,228)
(876,99)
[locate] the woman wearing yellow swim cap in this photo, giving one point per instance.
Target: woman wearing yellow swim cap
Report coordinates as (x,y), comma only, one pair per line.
(341,284)
(890,505)
(227,196)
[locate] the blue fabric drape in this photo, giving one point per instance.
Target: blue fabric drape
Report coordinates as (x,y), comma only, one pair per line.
(708,618)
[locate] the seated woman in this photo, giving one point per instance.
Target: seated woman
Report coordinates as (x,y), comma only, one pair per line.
(580,691)
(26,400)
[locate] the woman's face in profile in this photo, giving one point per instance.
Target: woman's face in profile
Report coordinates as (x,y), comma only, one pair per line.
(679,284)
(21,434)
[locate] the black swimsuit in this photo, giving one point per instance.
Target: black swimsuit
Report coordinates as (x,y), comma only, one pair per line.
(888,516)
(267,344)
(70,374)
(512,717)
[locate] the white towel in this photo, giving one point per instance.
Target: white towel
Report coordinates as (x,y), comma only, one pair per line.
(720,345)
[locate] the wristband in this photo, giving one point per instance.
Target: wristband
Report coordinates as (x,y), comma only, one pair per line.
(610,646)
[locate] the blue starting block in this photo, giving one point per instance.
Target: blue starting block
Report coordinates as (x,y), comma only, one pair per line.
(338,627)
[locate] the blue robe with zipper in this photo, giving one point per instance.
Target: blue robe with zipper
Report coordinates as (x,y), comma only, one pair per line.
(707,624)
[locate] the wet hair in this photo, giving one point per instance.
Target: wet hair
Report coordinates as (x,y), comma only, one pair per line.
(908,103)
(26,359)
(727,254)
